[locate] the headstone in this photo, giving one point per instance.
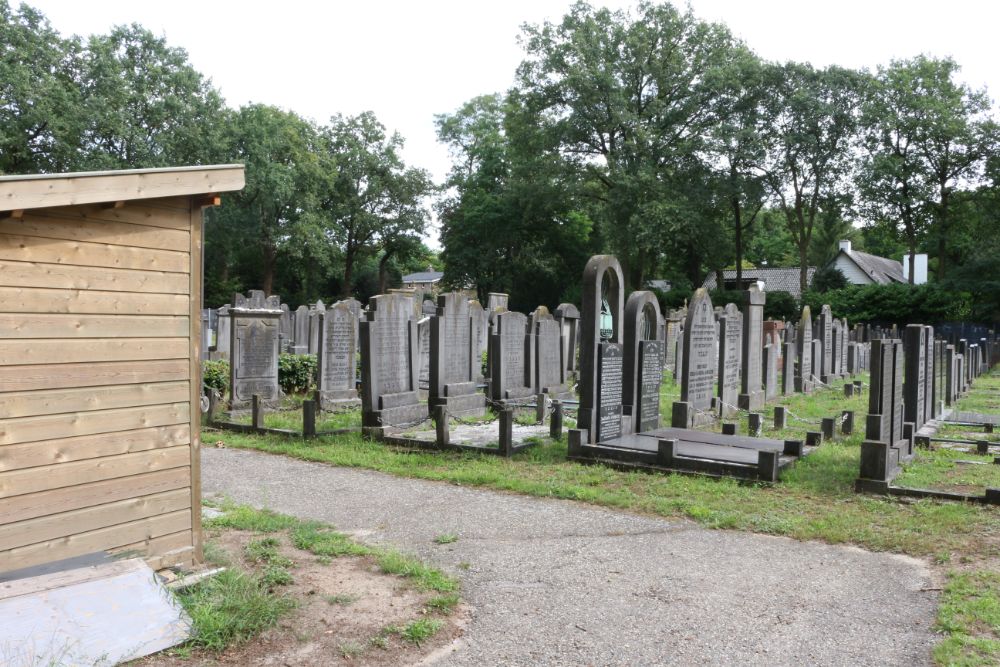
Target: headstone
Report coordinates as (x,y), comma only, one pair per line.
(679,351)
(803,370)
(826,374)
(206,334)
(549,365)
(337,356)
(751,393)
(950,384)
(223,335)
(929,374)
(770,371)
(314,312)
(254,335)
(496,302)
(601,353)
(357,309)
(730,349)
(300,338)
(454,368)
(915,347)
(389,364)
(568,317)
(424,352)
(672,329)
(817,359)
(477,315)
(643,372)
(699,363)
(788,369)
(285,328)
(884,448)
(508,343)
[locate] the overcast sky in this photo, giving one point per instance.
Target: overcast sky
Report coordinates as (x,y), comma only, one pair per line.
(408,61)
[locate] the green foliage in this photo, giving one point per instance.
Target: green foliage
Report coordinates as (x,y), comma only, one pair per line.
(216,374)
(421,630)
(781,306)
(296,373)
(894,303)
(721,297)
(829,278)
(969,617)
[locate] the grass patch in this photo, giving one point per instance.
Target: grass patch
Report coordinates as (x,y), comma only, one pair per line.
(230,608)
(424,577)
(443,604)
(340,599)
(948,470)
(244,517)
(969,616)
(446,538)
(420,630)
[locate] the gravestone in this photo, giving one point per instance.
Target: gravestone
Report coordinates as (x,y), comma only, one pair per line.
(453,367)
(826,374)
(729,352)
(314,313)
(788,369)
(477,315)
(835,367)
(496,302)
(300,337)
(357,309)
(549,365)
(337,356)
(424,352)
(671,331)
(817,359)
(254,334)
(804,343)
(770,364)
(679,351)
(751,393)
(601,353)
(884,448)
(285,329)
(914,347)
(206,334)
(643,363)
(223,334)
(929,374)
(699,364)
(389,395)
(508,344)
(568,317)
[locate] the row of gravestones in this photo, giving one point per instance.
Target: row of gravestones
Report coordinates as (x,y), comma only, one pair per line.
(913,381)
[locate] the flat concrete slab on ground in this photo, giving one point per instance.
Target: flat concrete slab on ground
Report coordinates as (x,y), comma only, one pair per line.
(562,583)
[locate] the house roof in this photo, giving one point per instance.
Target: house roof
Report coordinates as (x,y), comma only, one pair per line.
(775,279)
(880,269)
(423,277)
(18,193)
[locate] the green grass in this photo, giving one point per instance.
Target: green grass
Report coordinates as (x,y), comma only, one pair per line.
(446,538)
(939,469)
(421,630)
(340,599)
(444,604)
(969,616)
(231,608)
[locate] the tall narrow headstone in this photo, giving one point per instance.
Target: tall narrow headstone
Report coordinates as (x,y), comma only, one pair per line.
(223,334)
(314,313)
(770,364)
(389,364)
(285,329)
(424,352)
(915,347)
(254,334)
(601,353)
(337,355)
(549,365)
(929,373)
(826,374)
(477,315)
(803,370)
(643,370)
(672,329)
(300,337)
(884,447)
(788,369)
(452,383)
(751,392)
(508,343)
(730,350)
(699,364)
(568,317)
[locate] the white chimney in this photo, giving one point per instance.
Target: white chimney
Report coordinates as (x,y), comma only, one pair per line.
(919,269)
(845,246)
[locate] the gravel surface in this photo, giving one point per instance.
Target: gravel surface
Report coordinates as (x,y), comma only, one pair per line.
(554,582)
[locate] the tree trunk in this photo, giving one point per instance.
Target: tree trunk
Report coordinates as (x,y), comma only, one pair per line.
(803,267)
(345,288)
(942,231)
(383,271)
(737,218)
(912,260)
(267,279)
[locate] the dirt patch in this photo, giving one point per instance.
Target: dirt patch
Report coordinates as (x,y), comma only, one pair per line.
(347,612)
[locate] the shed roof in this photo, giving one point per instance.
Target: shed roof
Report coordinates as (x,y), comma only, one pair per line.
(881,270)
(775,279)
(92,187)
(423,277)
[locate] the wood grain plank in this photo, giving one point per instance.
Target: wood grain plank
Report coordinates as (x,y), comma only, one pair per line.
(196,253)
(63,401)
(50,527)
(66,325)
(51,427)
(182,557)
(170,213)
(90,302)
(31,505)
(33,480)
(17,247)
(62,350)
(67,450)
(64,376)
(36,223)
(142,531)
(63,276)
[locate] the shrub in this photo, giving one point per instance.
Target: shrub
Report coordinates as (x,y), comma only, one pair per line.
(216,375)
(895,303)
(781,306)
(829,279)
(296,373)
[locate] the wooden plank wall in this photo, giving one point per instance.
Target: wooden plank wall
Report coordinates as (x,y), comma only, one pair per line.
(99,319)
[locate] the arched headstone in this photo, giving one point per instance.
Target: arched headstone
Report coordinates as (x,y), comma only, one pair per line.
(644,352)
(601,354)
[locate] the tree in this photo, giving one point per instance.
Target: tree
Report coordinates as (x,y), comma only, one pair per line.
(627,101)
(39,96)
(812,116)
(368,198)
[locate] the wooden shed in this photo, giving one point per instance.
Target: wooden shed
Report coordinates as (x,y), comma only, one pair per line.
(100,381)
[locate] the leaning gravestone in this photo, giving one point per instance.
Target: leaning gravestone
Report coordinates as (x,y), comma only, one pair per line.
(454,367)
(751,394)
(509,377)
(300,337)
(568,317)
(601,350)
(730,350)
(336,359)
(698,370)
(825,373)
(389,394)
(643,362)
(803,370)
(254,334)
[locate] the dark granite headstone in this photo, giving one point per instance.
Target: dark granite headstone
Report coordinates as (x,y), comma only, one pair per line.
(751,392)
(650,377)
(915,347)
(336,359)
(609,391)
(254,340)
(642,325)
(603,303)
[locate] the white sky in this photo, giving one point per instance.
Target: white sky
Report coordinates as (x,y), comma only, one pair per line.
(409,60)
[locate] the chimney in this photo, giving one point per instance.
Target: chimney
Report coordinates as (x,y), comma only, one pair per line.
(845,246)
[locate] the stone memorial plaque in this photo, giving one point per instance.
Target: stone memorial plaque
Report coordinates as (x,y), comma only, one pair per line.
(254,340)
(609,390)
(651,375)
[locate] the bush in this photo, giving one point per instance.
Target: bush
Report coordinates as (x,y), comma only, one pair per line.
(829,279)
(781,306)
(216,375)
(296,373)
(895,303)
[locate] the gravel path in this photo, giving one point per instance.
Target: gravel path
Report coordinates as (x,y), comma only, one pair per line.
(554,582)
